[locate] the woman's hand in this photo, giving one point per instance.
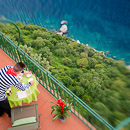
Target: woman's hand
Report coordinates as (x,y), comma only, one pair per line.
(31,82)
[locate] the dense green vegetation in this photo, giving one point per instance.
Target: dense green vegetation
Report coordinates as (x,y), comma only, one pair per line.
(99,81)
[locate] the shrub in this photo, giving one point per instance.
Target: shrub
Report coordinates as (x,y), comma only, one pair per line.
(60,52)
(67,61)
(82,63)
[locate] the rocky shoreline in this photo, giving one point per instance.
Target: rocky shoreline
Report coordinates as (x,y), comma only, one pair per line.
(64,29)
(128,67)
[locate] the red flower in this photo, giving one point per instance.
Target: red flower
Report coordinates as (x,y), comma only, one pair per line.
(58,101)
(60,104)
(60,109)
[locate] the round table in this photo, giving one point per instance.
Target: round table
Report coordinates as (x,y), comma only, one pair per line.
(13,98)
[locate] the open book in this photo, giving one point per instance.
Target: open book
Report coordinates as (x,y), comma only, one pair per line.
(23,94)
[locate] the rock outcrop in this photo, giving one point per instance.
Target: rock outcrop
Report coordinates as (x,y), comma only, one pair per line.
(64,28)
(63,22)
(60,33)
(78,41)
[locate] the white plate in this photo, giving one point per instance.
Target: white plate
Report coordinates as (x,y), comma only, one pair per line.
(30,79)
(28,75)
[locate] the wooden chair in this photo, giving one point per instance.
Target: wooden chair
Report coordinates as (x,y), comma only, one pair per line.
(25,118)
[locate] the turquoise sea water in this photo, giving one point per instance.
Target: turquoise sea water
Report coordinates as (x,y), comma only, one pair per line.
(103,24)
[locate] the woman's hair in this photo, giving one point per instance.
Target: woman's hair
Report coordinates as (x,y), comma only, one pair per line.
(19,66)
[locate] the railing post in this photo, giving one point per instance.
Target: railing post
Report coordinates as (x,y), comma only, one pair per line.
(7,20)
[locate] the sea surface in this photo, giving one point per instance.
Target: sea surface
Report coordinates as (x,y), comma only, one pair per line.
(103,24)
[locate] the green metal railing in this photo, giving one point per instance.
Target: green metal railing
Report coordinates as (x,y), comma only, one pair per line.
(56,88)
(125,124)
(7,20)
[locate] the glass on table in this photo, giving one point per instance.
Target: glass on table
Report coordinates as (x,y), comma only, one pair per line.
(20,76)
(28,91)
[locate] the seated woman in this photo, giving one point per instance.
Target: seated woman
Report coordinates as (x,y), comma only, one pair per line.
(8,78)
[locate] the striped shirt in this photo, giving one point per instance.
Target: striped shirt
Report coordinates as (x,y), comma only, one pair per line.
(9,80)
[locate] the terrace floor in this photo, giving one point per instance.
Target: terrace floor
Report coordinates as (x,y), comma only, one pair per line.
(44,108)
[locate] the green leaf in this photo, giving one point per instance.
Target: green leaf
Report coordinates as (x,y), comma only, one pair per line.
(67,114)
(55,112)
(54,103)
(66,109)
(52,111)
(55,117)
(53,107)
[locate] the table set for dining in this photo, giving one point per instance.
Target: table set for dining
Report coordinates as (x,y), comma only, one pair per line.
(17,97)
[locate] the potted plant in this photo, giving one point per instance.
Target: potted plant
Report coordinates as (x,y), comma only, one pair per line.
(61,110)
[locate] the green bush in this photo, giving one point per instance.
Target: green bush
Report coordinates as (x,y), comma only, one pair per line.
(67,61)
(38,43)
(60,52)
(45,51)
(82,63)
